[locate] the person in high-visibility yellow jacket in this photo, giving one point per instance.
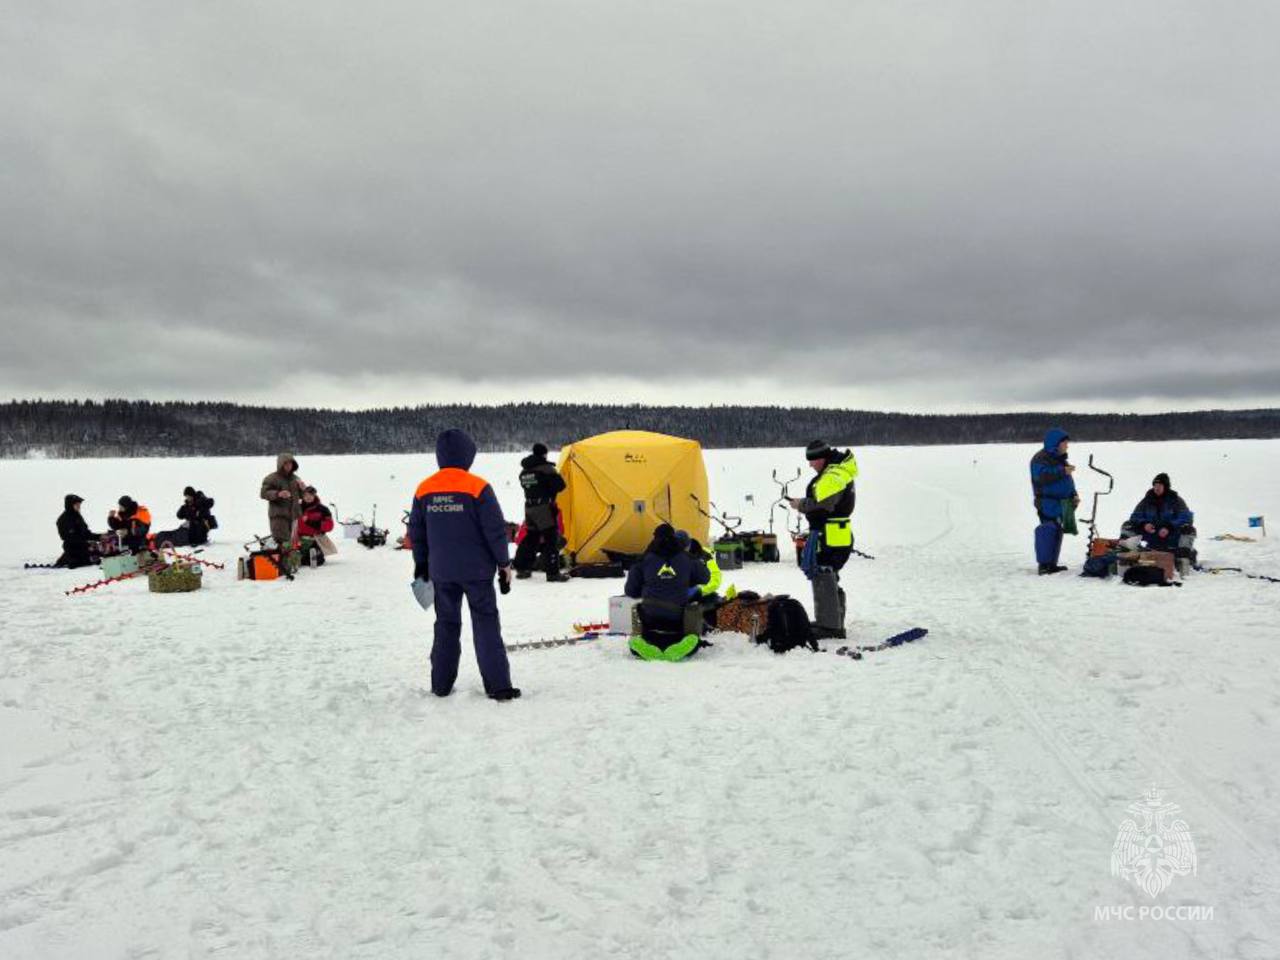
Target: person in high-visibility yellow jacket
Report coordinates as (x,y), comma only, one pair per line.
(828,504)
(705,595)
(712,586)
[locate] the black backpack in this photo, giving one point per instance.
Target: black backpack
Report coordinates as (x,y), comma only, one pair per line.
(788,627)
(1146,576)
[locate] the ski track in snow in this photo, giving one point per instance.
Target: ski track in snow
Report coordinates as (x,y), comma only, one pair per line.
(259,770)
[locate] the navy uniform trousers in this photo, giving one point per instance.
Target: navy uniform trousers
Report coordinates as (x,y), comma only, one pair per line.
(486,631)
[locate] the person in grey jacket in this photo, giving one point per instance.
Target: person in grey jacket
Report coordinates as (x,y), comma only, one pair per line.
(283,492)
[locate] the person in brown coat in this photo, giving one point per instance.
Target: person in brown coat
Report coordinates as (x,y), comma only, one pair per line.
(283,492)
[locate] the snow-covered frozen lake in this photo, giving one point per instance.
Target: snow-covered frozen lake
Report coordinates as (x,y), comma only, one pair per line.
(258,769)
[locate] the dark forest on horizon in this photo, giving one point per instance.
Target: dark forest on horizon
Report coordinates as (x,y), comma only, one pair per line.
(142,428)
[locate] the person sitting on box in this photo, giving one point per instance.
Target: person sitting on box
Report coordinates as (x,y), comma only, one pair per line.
(316,519)
(1163,520)
(706,595)
(132,521)
(661,580)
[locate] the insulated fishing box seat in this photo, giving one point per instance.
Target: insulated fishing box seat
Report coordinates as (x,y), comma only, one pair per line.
(1100,547)
(622,614)
(655,637)
(728,553)
(645,622)
(268,565)
(760,547)
(119,565)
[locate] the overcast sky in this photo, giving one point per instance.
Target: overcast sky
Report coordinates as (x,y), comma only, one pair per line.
(892,204)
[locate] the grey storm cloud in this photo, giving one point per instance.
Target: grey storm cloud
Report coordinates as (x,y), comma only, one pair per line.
(976,205)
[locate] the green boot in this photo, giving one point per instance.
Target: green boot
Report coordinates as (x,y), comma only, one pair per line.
(645,650)
(678,651)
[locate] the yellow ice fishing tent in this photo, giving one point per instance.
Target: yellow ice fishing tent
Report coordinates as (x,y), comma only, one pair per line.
(619,486)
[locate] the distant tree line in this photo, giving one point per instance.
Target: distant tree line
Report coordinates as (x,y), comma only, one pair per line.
(141,428)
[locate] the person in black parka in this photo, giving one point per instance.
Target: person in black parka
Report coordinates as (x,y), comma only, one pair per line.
(197,511)
(540,548)
(79,544)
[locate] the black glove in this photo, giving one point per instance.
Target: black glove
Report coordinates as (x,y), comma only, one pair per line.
(421,572)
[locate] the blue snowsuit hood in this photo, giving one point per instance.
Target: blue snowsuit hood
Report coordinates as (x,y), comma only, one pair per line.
(1054,437)
(455,449)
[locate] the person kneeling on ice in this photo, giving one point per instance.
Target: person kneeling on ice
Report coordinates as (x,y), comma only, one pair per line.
(132,521)
(459,542)
(1163,520)
(662,580)
(79,545)
(1055,496)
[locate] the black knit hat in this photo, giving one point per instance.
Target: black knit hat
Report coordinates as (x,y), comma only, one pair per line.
(539,449)
(189,491)
(817,450)
(70,499)
(1162,478)
(126,502)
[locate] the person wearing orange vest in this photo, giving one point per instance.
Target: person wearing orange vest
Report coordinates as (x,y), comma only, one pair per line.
(459,539)
(132,520)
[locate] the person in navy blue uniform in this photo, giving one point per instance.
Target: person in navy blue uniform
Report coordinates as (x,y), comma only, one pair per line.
(459,539)
(1051,484)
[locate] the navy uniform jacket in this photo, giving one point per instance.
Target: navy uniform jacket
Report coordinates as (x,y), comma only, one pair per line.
(456,525)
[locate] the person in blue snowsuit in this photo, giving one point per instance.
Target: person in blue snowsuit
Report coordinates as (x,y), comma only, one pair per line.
(1052,486)
(459,539)
(1163,520)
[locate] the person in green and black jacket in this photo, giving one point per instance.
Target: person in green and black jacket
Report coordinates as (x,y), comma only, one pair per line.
(827,505)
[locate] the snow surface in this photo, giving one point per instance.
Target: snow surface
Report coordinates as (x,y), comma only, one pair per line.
(259,770)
